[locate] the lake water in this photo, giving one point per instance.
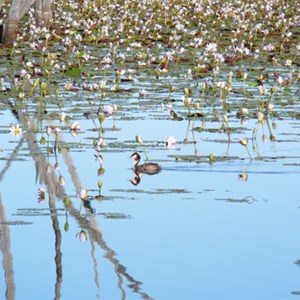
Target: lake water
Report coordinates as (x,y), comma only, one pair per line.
(220,221)
(196,230)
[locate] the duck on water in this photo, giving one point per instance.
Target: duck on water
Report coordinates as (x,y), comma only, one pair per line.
(146,168)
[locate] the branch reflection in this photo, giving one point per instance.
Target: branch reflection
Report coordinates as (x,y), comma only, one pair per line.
(89,222)
(7,259)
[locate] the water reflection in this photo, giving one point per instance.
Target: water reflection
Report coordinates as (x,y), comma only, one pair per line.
(87,222)
(139,170)
(7,258)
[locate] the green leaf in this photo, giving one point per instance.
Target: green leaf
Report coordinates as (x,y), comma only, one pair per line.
(253,84)
(73,72)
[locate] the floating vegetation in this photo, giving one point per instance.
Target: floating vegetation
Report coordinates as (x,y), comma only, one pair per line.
(17,222)
(106,198)
(292,164)
(120,216)
(36,212)
(208,88)
(248,200)
(157,192)
(227,76)
(203,158)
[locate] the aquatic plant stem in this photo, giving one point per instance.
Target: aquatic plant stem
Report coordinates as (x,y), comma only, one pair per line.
(248,152)
(144,150)
(187,131)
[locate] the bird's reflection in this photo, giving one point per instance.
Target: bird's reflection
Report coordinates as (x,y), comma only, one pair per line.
(139,170)
(136,180)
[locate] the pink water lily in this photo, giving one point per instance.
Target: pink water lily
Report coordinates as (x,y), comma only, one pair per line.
(171,142)
(82,235)
(109,109)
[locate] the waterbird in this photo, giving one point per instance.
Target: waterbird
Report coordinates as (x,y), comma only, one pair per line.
(147,168)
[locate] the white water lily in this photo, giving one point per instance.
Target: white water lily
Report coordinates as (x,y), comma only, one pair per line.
(270,107)
(139,139)
(243,141)
(62,116)
(260,116)
(75,126)
(49,130)
(245,111)
(100,144)
(83,194)
(15,130)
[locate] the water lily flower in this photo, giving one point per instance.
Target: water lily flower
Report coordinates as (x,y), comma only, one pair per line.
(57,130)
(139,139)
(211,47)
(100,144)
(244,111)
(49,130)
(270,107)
(62,116)
(280,80)
(100,183)
(75,133)
(262,90)
(260,116)
(83,194)
(68,86)
(243,141)
(61,180)
(41,195)
(82,235)
(187,101)
(187,92)
(196,106)
(48,168)
(243,177)
(99,157)
(75,126)
(102,85)
(143,93)
(171,142)
(109,110)
(21,95)
(15,130)
(288,63)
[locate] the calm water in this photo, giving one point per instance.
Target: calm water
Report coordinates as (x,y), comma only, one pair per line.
(194,231)
(220,221)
